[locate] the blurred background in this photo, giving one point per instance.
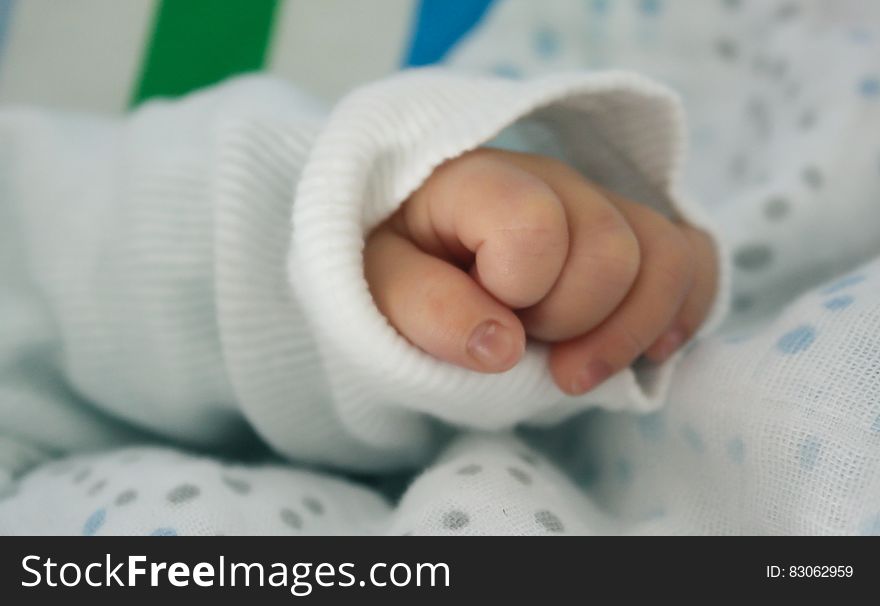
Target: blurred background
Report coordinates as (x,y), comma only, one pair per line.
(107,55)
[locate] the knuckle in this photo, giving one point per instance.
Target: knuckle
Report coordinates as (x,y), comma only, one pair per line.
(531,214)
(532,203)
(613,245)
(521,193)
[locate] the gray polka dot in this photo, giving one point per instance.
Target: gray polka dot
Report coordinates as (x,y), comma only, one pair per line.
(97,487)
(291,518)
(520,475)
(550,521)
(788,11)
(778,68)
(727,49)
(183,493)
(125,497)
(807,120)
(776,208)
(813,177)
(743,303)
(759,114)
(81,475)
(313,505)
(470,470)
(752,257)
(455,519)
(732,4)
(236,485)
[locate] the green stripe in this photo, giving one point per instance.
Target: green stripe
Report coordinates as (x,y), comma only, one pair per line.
(199,42)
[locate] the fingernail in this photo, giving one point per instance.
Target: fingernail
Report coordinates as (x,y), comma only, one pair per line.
(669,343)
(491,344)
(591,376)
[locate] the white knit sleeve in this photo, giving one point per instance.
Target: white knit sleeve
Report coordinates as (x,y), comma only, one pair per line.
(195,270)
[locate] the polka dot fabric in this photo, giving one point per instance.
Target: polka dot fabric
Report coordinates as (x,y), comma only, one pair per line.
(783,102)
(164,492)
(774,431)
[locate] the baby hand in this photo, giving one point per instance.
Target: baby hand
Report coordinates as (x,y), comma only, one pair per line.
(499,245)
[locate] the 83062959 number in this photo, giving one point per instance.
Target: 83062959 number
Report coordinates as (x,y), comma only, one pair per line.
(801,571)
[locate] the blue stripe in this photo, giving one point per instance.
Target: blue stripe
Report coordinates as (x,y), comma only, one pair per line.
(439,25)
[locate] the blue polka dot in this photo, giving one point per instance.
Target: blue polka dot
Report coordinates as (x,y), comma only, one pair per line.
(652,426)
(623,469)
(655,514)
(601,6)
(736,450)
(870,86)
(546,43)
(809,451)
(507,70)
(845,282)
(838,303)
(797,340)
(693,439)
(651,7)
(94,523)
(164,532)
(870,527)
(876,424)
(861,35)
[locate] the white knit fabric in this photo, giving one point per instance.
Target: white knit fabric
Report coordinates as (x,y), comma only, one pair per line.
(160,242)
(192,275)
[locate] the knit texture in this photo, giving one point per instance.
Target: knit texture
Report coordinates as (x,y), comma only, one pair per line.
(199,263)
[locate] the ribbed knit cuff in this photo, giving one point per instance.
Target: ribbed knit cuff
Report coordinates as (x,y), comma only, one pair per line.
(262,141)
